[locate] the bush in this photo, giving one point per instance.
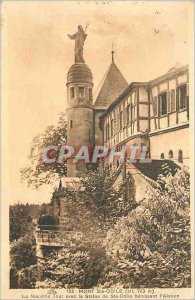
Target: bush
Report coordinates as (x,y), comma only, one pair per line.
(20,221)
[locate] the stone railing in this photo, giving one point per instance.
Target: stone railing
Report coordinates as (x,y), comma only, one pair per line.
(58,236)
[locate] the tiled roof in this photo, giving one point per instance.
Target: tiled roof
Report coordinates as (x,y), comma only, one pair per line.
(114,84)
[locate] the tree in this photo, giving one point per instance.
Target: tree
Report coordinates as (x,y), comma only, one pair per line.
(38,172)
(151,246)
(23,252)
(20,221)
(23,269)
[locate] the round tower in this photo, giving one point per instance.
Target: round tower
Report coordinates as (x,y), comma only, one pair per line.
(80,127)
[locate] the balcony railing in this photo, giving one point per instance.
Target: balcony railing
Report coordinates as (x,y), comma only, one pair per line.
(56,235)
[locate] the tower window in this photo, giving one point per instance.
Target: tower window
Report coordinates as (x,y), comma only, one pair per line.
(72,92)
(170,154)
(162,156)
(71,124)
(81,92)
(90,94)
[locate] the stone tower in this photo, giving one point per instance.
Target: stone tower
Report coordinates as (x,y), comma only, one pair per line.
(80,127)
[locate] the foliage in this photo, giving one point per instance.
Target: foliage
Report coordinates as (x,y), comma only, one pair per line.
(23,252)
(48,221)
(97,203)
(118,243)
(21,218)
(27,277)
(76,266)
(23,263)
(38,172)
(151,246)
(20,221)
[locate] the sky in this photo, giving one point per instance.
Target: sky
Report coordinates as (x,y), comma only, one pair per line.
(148,39)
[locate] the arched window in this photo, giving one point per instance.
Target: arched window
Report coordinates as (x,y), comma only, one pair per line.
(81,92)
(72,92)
(170,154)
(180,156)
(90,94)
(162,156)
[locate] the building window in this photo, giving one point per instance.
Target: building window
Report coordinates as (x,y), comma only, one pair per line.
(183,97)
(107,131)
(180,156)
(72,92)
(90,94)
(170,154)
(162,156)
(71,124)
(112,124)
(128,114)
(105,137)
(121,120)
(81,92)
(118,122)
(163,104)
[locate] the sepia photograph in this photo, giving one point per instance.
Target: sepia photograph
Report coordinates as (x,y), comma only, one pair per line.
(97,149)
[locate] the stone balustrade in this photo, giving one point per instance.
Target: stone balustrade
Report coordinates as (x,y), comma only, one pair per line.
(55,236)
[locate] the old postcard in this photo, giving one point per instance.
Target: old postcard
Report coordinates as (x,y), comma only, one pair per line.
(97,151)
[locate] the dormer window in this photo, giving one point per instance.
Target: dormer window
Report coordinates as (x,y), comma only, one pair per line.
(81,92)
(72,92)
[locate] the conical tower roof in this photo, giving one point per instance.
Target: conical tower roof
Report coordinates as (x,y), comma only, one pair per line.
(113,85)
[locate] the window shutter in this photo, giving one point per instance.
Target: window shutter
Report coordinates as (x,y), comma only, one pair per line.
(168,101)
(155,106)
(172,100)
(159,105)
(188,101)
(177,99)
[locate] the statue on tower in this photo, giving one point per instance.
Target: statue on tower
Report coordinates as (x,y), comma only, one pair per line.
(79,38)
